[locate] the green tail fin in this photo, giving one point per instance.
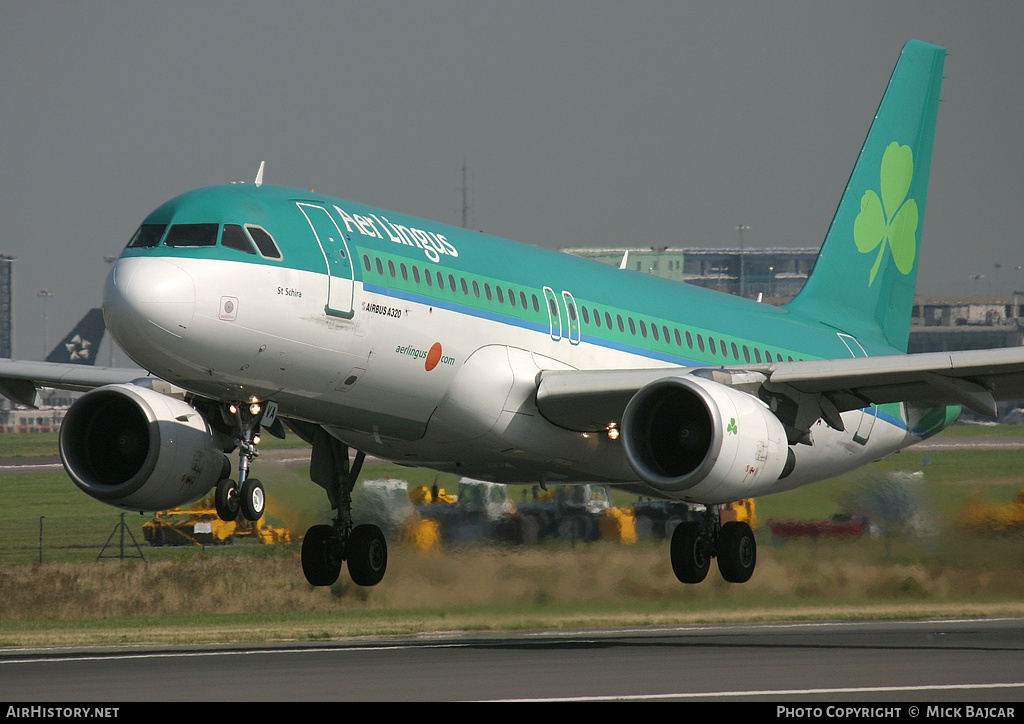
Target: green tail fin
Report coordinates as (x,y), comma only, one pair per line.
(863,280)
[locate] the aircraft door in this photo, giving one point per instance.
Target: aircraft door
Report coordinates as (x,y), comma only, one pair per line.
(867,417)
(336,257)
(572,316)
(554,313)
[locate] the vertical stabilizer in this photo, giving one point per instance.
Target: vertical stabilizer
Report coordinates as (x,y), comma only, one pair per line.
(83,342)
(863,280)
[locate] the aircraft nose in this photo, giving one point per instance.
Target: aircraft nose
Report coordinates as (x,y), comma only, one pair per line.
(143,296)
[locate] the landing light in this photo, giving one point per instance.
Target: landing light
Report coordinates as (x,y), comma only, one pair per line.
(254,408)
(613,431)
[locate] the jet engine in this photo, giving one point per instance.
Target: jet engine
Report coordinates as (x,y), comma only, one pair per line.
(694,439)
(137,449)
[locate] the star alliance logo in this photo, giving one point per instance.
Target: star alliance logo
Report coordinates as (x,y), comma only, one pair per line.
(78,348)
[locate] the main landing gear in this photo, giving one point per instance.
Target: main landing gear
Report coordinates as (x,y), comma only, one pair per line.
(247,497)
(695,543)
(326,547)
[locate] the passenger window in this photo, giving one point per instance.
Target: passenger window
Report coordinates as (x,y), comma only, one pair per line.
(148,235)
(264,242)
(234,238)
(192,235)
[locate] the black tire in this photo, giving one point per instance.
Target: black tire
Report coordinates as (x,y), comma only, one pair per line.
(320,565)
(225,499)
(367,555)
(737,552)
(690,561)
(252,499)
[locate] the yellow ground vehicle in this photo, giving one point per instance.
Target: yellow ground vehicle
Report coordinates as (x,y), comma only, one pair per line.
(200,525)
(984,517)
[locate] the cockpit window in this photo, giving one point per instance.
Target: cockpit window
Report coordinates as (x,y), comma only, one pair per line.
(192,235)
(264,242)
(234,237)
(148,235)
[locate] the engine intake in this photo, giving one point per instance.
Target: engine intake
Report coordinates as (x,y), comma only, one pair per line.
(695,439)
(137,449)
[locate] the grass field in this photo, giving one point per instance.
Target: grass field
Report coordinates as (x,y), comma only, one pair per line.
(54,590)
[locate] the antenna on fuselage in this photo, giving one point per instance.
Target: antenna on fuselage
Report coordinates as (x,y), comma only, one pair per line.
(259,175)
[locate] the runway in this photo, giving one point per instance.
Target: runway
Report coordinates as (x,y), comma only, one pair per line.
(952,660)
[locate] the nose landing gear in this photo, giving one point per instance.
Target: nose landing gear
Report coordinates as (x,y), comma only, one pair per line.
(247,497)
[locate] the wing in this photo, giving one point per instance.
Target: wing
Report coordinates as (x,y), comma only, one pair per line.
(19,380)
(802,392)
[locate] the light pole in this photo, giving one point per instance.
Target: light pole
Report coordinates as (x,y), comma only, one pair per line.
(743,286)
(110,340)
(45,294)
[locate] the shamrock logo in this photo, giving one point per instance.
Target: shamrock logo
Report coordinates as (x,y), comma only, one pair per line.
(731,427)
(891,220)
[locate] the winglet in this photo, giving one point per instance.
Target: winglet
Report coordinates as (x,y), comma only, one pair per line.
(259,175)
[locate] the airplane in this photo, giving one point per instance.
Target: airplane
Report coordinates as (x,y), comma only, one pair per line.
(367,332)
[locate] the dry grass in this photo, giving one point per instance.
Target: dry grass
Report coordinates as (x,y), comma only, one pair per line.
(217,598)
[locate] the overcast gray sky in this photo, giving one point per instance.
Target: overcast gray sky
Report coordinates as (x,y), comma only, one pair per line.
(583,123)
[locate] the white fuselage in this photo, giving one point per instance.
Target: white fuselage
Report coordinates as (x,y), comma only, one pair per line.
(410,381)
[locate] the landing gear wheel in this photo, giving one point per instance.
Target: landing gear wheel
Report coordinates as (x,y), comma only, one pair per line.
(367,554)
(320,564)
(737,552)
(690,561)
(226,500)
(252,499)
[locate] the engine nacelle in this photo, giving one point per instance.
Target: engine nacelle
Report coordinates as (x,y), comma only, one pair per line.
(695,439)
(137,449)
